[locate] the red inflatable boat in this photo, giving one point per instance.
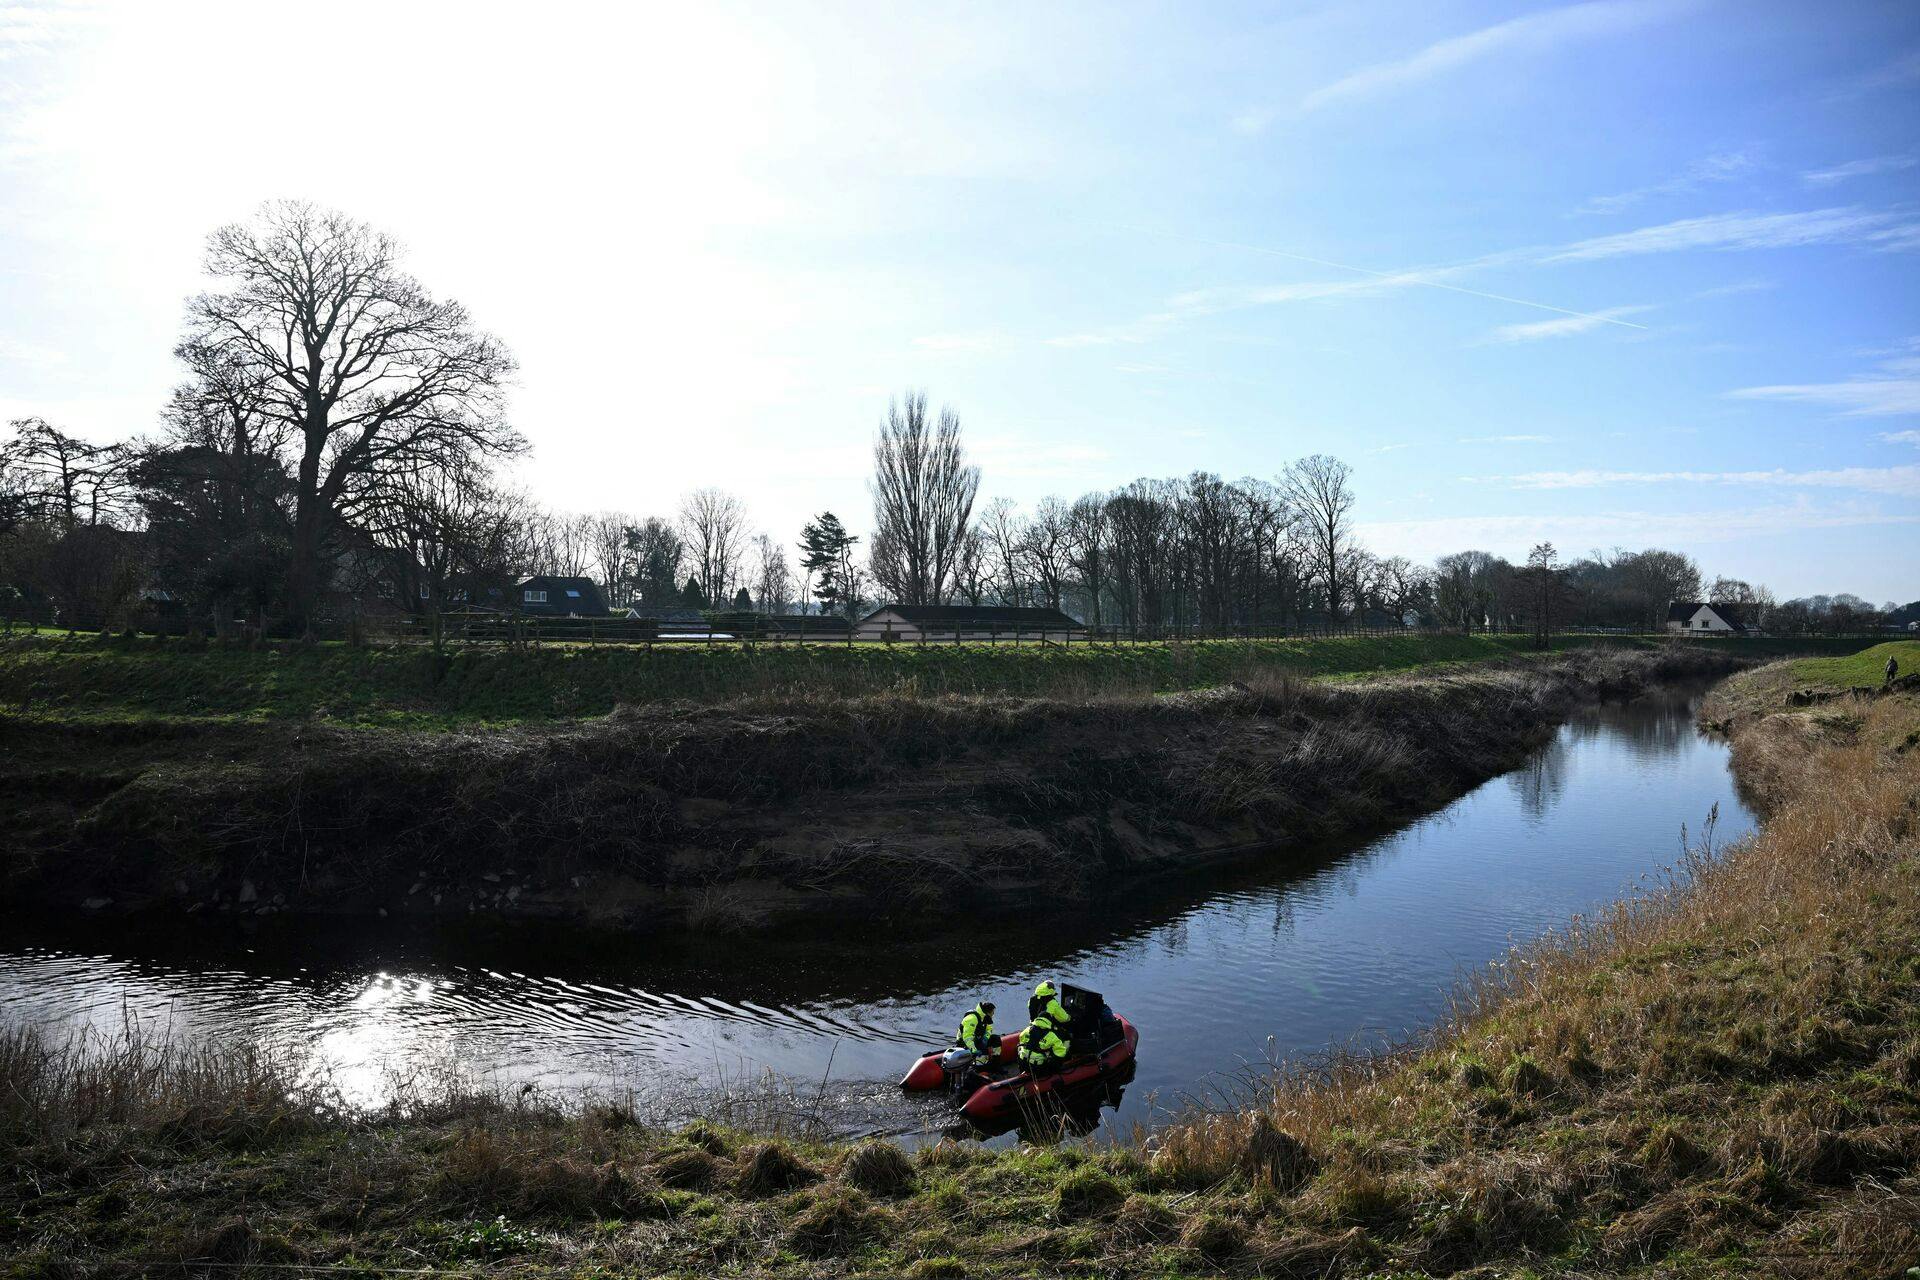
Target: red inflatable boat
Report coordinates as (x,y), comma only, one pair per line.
(992,1096)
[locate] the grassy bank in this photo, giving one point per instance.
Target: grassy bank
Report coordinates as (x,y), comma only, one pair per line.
(1720,1080)
(45,678)
(761,812)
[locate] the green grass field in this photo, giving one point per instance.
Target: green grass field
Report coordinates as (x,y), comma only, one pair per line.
(85,678)
(1867,667)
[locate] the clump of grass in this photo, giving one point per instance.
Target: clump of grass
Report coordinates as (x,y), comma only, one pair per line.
(1145,1220)
(482,1168)
(879,1169)
(690,1169)
(770,1167)
(834,1221)
(1086,1192)
(1214,1237)
(1274,1158)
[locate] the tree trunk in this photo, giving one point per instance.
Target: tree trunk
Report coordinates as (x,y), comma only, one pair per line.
(303,576)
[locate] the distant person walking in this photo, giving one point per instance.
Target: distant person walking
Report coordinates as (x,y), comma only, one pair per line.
(1893,669)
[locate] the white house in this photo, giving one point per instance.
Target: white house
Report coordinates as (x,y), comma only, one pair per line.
(935,622)
(1697,619)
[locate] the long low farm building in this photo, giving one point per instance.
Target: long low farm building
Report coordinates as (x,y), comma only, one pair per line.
(934,622)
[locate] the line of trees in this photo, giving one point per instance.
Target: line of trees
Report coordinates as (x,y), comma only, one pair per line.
(338,439)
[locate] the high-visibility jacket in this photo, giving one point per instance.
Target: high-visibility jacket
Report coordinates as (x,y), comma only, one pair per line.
(1041,1046)
(1045,1003)
(976,1032)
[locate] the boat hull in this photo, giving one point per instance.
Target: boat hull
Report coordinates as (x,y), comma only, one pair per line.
(927,1073)
(1000,1099)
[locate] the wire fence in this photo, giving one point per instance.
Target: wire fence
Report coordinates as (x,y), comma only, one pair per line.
(813,630)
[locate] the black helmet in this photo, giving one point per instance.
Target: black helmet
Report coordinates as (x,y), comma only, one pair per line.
(986,1006)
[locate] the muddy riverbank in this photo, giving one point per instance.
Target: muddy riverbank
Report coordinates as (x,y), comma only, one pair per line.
(743,816)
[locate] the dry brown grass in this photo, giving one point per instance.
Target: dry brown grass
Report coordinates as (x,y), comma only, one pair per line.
(1728,1063)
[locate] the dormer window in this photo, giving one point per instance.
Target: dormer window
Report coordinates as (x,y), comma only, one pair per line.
(530,596)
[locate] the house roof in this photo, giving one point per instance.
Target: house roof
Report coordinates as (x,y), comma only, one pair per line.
(1683,610)
(971,615)
(558,580)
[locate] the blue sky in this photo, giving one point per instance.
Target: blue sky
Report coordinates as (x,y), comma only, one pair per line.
(1615,273)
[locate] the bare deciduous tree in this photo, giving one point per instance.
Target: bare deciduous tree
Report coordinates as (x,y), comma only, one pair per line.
(1047,548)
(441,533)
(1004,534)
(714,526)
(772,579)
(373,375)
(923,493)
(606,535)
(1087,537)
(1317,490)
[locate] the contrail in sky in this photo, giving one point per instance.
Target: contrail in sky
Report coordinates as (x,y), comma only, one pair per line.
(1403,277)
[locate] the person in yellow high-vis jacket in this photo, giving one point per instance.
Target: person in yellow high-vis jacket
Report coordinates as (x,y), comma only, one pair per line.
(1042,1049)
(1045,1003)
(976,1031)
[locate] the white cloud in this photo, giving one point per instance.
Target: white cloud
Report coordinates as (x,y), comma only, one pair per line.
(964,342)
(1845,225)
(1901,481)
(1901,437)
(1560,326)
(1849,225)
(1735,289)
(1858,169)
(1721,167)
(1855,398)
(1894,388)
(1423,539)
(1533,32)
(1521,439)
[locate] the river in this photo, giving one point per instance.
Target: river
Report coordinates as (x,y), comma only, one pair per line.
(1355,946)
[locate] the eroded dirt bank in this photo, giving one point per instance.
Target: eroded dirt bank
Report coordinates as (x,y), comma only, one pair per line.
(733,817)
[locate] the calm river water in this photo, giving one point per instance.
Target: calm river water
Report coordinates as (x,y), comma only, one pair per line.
(1353,946)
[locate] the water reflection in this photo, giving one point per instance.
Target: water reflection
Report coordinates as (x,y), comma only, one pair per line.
(1356,944)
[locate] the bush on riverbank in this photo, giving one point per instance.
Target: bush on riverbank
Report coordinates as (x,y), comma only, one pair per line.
(46,678)
(1719,1080)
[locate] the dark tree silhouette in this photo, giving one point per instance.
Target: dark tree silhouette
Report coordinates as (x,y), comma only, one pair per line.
(371,376)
